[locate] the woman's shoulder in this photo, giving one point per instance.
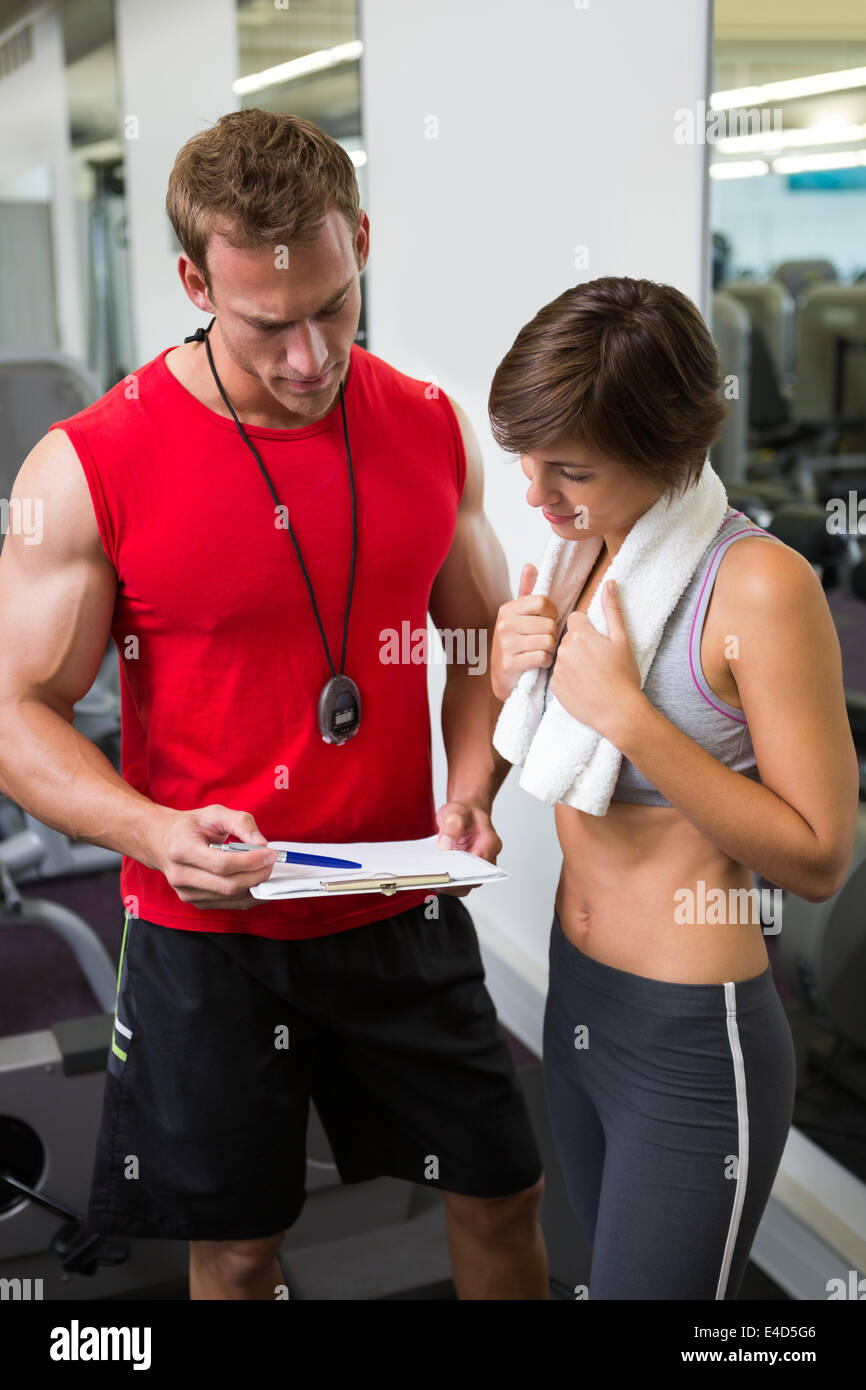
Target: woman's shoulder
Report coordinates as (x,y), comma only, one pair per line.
(761,574)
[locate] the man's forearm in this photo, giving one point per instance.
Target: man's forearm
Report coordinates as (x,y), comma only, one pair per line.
(56,774)
(469,714)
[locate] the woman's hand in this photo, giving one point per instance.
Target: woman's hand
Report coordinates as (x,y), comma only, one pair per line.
(524,635)
(596,677)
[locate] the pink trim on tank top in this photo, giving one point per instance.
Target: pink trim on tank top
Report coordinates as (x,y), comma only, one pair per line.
(748,531)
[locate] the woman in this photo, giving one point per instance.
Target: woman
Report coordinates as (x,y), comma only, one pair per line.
(668,1060)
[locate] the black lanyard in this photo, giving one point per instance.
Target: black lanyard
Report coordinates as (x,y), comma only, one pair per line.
(339,708)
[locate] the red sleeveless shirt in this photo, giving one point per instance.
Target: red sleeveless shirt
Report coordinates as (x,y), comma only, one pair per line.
(221,658)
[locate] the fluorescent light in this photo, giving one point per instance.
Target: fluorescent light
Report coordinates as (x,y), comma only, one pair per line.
(803,163)
(739,169)
(299,67)
(793,87)
(770,140)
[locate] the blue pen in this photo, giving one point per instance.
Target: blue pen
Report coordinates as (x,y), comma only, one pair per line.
(288,856)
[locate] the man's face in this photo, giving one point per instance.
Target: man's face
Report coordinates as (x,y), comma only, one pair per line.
(289,314)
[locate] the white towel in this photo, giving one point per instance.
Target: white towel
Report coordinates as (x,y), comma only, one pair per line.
(565,760)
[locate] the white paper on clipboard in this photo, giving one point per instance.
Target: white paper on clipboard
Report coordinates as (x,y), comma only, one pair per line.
(385,859)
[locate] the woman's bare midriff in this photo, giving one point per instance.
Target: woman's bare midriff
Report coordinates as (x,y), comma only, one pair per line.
(616,898)
(621,872)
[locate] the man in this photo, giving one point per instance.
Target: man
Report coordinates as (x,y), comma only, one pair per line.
(202,513)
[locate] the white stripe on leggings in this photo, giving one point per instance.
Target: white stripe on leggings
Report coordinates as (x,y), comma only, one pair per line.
(742,1137)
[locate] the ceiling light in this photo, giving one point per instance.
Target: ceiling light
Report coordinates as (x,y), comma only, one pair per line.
(804,163)
(786,91)
(299,67)
(739,169)
(825,134)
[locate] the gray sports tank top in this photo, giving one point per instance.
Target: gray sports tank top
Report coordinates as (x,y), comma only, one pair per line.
(676,684)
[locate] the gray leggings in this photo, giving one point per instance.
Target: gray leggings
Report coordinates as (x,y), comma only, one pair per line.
(670,1105)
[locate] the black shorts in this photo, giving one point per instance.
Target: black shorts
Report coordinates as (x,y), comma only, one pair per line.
(220,1040)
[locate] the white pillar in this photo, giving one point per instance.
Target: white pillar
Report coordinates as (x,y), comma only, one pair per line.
(34,120)
(176,65)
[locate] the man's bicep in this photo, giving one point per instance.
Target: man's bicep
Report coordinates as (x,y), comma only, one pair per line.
(57,588)
(472,583)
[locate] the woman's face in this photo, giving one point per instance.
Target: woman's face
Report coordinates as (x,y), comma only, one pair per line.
(583,493)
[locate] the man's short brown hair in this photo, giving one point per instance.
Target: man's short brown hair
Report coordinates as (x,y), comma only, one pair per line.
(625,367)
(259,178)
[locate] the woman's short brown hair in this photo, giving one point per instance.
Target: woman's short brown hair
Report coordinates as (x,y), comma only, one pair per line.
(625,367)
(260,178)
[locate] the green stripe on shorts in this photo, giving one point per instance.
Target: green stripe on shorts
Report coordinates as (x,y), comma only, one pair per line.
(118,1052)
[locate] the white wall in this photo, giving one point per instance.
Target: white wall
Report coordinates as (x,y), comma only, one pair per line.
(34,121)
(176,62)
(555,131)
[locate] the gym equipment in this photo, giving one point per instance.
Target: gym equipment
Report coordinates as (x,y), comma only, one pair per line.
(759,416)
(51,1084)
(771,314)
(731,330)
(36,390)
(771,310)
(721,250)
(745,499)
(831,357)
(800,275)
(803,526)
(106,274)
(19,854)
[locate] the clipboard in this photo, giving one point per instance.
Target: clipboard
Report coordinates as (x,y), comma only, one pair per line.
(386,883)
(390,866)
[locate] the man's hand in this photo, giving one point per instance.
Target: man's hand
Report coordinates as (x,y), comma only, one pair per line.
(466,825)
(211,878)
